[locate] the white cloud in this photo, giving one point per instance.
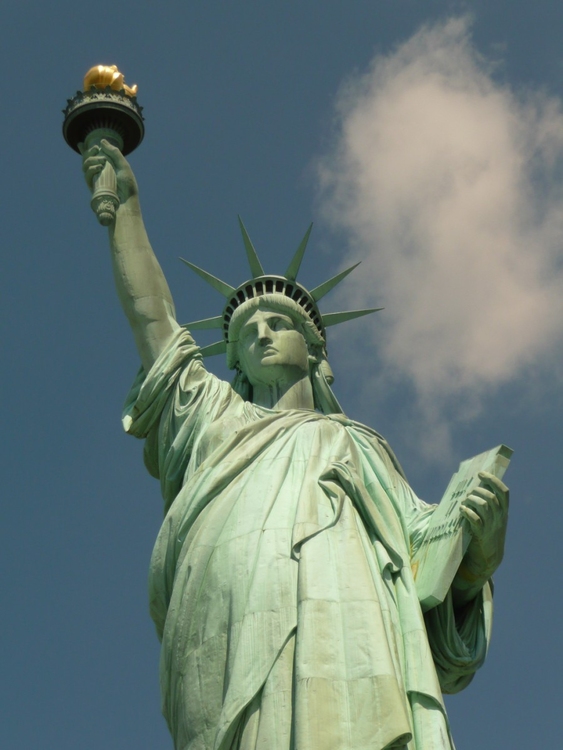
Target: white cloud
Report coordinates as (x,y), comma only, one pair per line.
(448,185)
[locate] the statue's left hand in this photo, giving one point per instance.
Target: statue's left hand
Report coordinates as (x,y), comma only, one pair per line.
(486,509)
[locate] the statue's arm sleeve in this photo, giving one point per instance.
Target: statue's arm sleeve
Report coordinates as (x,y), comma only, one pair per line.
(459,638)
(170,406)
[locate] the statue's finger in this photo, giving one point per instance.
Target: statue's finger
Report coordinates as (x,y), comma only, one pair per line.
(114,153)
(93,170)
(489,479)
(480,507)
(483,493)
(497,486)
(472,517)
(94,163)
(83,150)
(487,497)
(90,173)
(478,502)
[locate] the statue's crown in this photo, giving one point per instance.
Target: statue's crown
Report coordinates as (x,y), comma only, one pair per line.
(262,283)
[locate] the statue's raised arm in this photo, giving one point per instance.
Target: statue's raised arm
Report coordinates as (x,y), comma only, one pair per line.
(140,282)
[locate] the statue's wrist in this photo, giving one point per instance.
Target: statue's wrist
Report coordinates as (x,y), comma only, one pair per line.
(130,206)
(475,568)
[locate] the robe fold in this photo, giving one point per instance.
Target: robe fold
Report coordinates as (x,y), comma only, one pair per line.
(280,582)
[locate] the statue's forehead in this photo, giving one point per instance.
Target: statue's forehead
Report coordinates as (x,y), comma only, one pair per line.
(265,313)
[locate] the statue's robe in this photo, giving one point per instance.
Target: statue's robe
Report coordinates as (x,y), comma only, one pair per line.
(280,582)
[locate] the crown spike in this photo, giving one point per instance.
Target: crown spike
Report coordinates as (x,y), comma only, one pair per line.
(206,324)
(293,268)
(319,292)
(333,319)
(219,347)
(225,289)
(253,261)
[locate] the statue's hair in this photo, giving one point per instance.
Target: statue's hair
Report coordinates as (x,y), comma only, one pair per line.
(320,372)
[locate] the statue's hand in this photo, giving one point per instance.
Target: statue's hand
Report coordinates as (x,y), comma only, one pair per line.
(486,509)
(94,160)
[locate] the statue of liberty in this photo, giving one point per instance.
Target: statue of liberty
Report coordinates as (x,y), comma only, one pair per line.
(281,583)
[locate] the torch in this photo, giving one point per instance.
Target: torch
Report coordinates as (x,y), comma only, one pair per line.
(106,108)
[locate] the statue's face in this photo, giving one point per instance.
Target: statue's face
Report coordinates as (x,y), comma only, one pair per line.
(270,349)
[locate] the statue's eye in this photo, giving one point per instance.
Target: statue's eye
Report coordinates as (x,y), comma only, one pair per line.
(279,324)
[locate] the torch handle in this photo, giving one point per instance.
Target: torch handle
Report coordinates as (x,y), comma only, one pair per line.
(105,200)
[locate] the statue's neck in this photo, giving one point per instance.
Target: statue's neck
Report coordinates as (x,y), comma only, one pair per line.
(283,395)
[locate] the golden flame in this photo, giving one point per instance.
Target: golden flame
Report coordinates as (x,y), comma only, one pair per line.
(101,76)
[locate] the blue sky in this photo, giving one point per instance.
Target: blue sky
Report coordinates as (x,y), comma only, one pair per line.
(424,138)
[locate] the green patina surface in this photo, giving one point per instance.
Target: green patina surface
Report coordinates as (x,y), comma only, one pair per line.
(281,583)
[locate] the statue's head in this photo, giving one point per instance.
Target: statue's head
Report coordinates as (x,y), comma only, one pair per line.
(271,338)
(283,315)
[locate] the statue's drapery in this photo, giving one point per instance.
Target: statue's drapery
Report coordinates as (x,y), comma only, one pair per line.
(280,582)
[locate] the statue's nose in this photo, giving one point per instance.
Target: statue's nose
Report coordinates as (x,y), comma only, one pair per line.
(264,333)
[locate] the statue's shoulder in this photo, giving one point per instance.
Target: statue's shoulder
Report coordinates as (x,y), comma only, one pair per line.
(375,438)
